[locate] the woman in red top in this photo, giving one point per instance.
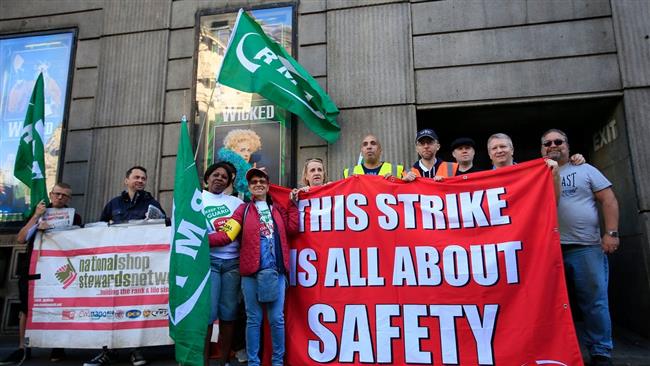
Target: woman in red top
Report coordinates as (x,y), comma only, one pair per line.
(264,261)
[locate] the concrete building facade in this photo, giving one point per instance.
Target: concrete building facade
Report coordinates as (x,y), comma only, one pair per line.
(392,66)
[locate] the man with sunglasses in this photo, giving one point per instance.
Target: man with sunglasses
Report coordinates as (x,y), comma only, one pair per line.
(59,198)
(583,248)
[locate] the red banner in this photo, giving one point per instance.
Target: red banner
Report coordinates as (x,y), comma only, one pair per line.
(463,272)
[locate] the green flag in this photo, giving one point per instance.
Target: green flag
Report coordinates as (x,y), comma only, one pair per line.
(254,63)
(189,262)
(30,158)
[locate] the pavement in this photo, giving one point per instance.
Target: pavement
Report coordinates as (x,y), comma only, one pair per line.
(156,356)
(630,350)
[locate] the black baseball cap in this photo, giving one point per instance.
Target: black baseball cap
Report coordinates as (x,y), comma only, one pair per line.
(462,141)
(427,132)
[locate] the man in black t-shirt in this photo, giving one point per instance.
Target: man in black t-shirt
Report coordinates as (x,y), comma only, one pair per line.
(463,151)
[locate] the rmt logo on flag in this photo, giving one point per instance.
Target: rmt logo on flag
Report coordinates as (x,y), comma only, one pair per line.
(66,274)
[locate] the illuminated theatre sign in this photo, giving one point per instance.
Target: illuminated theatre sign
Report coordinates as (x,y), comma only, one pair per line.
(22,58)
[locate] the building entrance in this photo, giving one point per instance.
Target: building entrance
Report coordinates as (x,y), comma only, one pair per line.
(596,128)
(524,123)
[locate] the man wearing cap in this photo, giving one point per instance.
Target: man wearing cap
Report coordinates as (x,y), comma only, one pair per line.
(463,151)
(372,164)
(428,166)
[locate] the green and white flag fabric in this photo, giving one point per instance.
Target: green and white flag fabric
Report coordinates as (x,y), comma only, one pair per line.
(254,63)
(189,262)
(30,157)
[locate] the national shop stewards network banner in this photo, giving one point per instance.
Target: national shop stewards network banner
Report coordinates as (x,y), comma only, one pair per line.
(465,272)
(100,286)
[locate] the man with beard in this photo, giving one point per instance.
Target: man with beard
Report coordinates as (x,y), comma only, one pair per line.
(584,250)
(428,166)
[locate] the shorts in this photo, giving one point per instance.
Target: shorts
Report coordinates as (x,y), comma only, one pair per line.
(224,288)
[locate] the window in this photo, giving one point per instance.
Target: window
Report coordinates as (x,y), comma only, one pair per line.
(22,58)
(243,128)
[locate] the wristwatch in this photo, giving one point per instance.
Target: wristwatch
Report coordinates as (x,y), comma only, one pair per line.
(613,234)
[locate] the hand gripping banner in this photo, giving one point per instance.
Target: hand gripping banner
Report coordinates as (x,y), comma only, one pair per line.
(463,272)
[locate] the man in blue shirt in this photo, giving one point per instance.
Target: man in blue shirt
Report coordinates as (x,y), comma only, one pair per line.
(134,202)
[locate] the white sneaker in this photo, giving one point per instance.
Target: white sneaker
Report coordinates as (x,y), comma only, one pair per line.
(241,355)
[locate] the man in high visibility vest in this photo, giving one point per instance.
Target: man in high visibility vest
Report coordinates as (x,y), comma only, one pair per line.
(372,164)
(427,145)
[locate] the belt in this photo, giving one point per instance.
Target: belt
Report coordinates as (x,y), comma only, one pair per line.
(570,247)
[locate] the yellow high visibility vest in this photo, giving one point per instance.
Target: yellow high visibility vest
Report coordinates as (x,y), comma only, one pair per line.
(385,169)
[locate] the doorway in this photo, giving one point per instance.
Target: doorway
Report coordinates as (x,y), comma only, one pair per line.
(524,123)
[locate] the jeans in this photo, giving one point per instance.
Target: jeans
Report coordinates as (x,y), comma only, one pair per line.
(587,270)
(254,314)
(224,288)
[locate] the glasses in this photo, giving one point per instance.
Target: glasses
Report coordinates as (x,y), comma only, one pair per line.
(557,142)
(60,194)
(253,182)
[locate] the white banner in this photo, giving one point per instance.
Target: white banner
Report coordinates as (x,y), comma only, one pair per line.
(105,286)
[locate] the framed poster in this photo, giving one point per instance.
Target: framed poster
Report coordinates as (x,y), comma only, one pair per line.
(243,128)
(22,58)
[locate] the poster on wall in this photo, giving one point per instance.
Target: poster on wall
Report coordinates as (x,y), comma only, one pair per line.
(242,128)
(22,58)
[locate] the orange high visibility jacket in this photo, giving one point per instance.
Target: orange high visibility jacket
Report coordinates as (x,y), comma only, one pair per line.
(445,169)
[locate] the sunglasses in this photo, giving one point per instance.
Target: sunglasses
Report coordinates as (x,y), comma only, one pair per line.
(557,142)
(253,182)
